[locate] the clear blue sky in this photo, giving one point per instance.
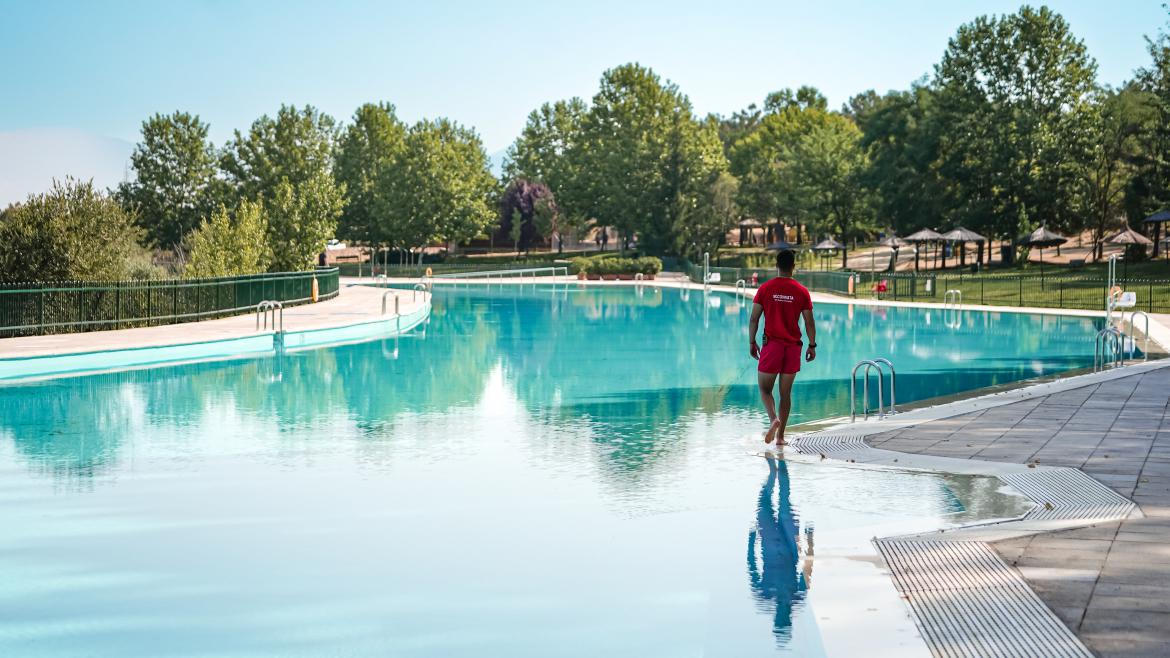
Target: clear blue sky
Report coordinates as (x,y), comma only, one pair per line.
(101,67)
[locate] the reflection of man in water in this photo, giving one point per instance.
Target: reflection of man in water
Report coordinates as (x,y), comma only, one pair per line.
(774,550)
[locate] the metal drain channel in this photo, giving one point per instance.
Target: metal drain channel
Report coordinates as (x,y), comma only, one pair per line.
(1069,494)
(968,603)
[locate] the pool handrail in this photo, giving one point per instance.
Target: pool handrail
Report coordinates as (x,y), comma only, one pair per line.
(893,381)
(1133,334)
(1108,348)
(869,364)
(273,308)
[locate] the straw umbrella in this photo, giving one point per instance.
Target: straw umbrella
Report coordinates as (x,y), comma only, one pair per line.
(1042,238)
(924,236)
(781,245)
(826,247)
(1158,219)
(748,227)
(963,236)
(1128,237)
(894,243)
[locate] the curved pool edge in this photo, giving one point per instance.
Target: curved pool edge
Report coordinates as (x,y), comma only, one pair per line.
(30,368)
(960,591)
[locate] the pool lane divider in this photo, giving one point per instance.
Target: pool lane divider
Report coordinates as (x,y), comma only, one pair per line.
(251,345)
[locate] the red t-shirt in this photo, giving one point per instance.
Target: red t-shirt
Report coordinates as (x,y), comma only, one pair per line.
(783,299)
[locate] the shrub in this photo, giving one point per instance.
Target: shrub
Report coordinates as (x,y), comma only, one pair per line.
(613,265)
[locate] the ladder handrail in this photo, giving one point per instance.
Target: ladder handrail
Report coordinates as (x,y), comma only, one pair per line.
(868,364)
(1133,334)
(273,308)
(1111,339)
(417,288)
(956,295)
(391,291)
(893,381)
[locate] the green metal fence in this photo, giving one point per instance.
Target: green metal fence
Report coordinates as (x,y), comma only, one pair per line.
(1061,291)
(352,269)
(47,308)
(834,282)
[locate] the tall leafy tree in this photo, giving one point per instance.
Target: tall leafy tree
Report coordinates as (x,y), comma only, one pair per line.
(446,188)
(287,163)
(643,156)
(297,145)
(301,219)
(369,160)
(705,222)
(762,162)
(73,232)
(229,243)
(1150,190)
(901,133)
(175,178)
(1121,120)
(544,154)
(827,168)
(1014,93)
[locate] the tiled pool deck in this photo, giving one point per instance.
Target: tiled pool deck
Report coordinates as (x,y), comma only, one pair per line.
(1110,582)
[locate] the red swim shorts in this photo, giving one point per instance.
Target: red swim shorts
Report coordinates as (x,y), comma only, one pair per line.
(780,358)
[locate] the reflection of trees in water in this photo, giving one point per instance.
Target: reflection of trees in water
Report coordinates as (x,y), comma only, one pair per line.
(559,350)
(773,552)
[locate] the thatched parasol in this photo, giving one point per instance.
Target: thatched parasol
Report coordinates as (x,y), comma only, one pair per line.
(1042,238)
(1157,219)
(925,235)
(963,236)
(1127,237)
(781,245)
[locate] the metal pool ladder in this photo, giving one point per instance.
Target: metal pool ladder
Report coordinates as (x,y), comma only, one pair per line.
(1108,348)
(268,308)
(872,364)
(1133,334)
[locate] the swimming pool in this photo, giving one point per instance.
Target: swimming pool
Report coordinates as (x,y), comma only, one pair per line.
(568,471)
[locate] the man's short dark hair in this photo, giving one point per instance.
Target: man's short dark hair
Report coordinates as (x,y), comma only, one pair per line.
(786,261)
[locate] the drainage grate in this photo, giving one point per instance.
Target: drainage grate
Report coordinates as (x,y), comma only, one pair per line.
(969,603)
(1066,493)
(830,445)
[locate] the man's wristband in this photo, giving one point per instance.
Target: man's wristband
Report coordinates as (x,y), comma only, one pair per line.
(812,345)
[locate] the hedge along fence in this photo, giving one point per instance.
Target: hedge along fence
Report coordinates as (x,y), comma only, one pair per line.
(47,308)
(410,271)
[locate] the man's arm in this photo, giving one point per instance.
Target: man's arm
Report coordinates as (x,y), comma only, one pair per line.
(753,329)
(810,328)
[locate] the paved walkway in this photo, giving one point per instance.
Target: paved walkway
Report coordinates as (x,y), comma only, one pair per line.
(1110,583)
(354,304)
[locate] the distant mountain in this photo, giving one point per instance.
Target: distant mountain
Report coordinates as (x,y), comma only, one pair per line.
(31,159)
(496,162)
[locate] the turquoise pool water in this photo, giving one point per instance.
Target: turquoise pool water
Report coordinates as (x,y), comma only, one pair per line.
(544,472)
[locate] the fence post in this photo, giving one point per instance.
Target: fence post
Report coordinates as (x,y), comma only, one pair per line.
(117,304)
(1060,285)
(1150,296)
(1021,280)
(982,290)
(41,305)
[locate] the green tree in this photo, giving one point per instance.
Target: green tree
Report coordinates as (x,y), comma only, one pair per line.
(901,133)
(1150,189)
(70,233)
(446,187)
(545,153)
(369,162)
(229,244)
(762,162)
(301,219)
(297,145)
(1121,120)
(175,178)
(828,164)
(643,157)
(287,162)
(1014,93)
(705,222)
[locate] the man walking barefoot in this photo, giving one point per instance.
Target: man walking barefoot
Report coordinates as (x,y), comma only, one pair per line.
(781,301)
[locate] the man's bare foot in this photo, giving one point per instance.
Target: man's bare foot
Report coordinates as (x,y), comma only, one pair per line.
(768,438)
(780,439)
